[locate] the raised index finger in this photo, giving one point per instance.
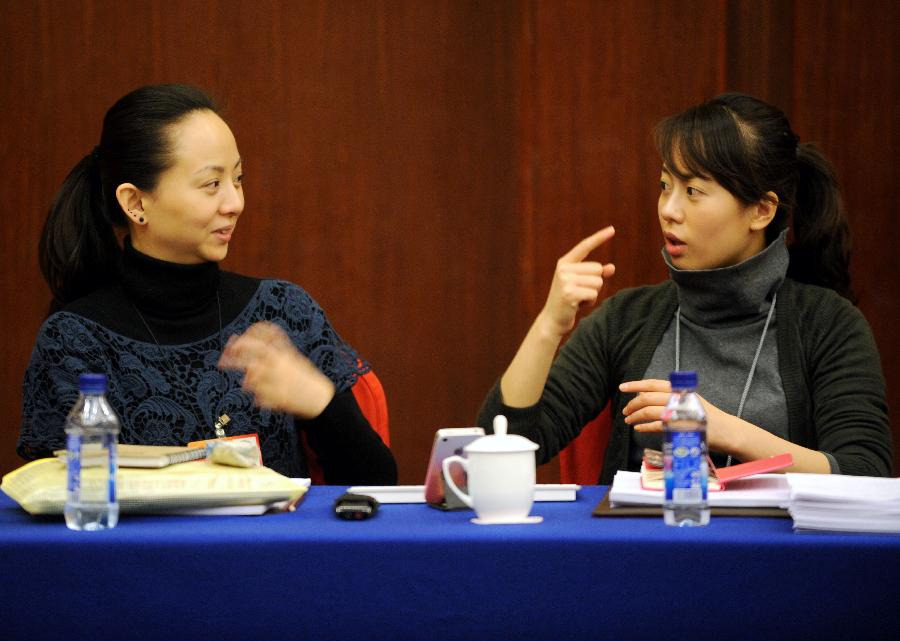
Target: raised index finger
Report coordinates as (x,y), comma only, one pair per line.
(589,244)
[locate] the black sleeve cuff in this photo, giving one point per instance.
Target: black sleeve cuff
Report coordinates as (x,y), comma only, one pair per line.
(349,451)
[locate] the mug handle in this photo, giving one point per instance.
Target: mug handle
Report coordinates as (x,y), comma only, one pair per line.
(448,478)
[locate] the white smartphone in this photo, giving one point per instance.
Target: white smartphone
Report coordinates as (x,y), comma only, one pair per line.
(447,442)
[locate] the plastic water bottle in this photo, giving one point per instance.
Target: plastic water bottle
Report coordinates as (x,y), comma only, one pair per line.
(92,434)
(685,466)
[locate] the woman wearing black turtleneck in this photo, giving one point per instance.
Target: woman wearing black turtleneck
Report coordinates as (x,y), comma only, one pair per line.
(785,363)
(156,316)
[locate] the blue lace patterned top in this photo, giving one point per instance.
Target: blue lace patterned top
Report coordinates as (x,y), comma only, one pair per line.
(171,393)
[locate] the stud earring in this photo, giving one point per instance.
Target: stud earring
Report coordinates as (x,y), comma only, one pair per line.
(141,219)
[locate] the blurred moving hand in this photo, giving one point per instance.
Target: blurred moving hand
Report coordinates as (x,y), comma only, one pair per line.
(276,373)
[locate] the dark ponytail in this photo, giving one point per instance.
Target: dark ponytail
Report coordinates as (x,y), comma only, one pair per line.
(749,148)
(78,248)
(820,253)
(79,251)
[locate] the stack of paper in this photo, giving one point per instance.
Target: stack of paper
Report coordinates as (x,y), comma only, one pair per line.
(760,490)
(844,503)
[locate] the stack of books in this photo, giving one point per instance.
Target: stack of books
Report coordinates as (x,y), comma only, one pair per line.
(844,503)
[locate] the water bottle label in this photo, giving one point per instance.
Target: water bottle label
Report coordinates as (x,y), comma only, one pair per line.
(73,463)
(110,443)
(685,468)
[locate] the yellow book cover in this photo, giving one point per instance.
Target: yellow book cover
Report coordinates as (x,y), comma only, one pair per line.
(40,486)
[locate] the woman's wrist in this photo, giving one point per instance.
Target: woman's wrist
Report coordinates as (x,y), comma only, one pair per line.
(729,434)
(523,382)
(316,396)
(748,442)
(548,330)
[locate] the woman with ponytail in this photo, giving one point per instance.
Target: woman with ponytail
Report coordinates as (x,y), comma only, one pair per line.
(786,363)
(154,313)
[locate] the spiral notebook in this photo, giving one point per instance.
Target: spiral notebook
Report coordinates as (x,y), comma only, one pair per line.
(142,455)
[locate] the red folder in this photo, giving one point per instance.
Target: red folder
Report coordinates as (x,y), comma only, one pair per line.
(725,475)
(652,472)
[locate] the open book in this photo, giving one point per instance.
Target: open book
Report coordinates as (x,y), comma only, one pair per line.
(652,470)
(141,455)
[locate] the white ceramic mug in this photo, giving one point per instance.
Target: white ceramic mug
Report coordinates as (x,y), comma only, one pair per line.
(501,476)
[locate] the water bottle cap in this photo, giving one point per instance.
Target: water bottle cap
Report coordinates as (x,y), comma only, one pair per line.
(683,380)
(92,383)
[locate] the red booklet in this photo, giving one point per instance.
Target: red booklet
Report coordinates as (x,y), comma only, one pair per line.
(652,470)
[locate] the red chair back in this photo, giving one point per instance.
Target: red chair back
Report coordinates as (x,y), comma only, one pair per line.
(581,460)
(372,403)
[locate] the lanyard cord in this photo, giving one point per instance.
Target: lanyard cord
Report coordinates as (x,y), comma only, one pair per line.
(762,339)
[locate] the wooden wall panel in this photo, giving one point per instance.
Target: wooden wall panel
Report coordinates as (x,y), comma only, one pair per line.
(389,171)
(596,76)
(759,50)
(419,166)
(847,99)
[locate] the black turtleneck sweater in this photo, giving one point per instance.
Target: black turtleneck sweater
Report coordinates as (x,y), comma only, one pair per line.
(157,332)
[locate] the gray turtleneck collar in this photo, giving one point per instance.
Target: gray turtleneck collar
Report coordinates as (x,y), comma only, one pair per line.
(748,286)
(723,312)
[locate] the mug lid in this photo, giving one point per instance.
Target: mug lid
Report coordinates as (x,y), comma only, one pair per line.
(500,441)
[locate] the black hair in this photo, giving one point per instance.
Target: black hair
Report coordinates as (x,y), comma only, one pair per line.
(748,147)
(79,251)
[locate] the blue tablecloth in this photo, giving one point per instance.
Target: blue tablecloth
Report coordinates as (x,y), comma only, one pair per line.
(413,572)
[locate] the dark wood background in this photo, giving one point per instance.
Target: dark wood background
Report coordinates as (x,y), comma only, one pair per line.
(419,166)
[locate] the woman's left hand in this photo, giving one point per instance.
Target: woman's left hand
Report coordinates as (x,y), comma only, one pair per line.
(278,376)
(644,412)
